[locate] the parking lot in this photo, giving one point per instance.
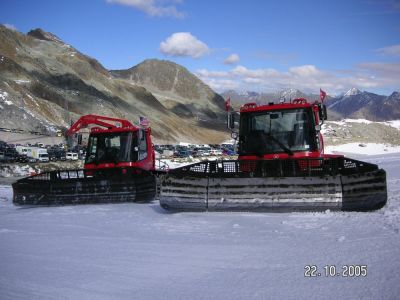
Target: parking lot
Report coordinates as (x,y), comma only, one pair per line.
(194,150)
(55,154)
(31,148)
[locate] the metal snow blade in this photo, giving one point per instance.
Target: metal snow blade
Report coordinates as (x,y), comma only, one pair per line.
(85,186)
(275,185)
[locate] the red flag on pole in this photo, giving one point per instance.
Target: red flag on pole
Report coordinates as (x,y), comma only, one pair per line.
(228,104)
(322,95)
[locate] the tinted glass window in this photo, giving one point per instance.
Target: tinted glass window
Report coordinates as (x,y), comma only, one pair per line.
(270,132)
(110,147)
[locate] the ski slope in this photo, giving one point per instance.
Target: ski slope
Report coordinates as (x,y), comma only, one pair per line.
(140,251)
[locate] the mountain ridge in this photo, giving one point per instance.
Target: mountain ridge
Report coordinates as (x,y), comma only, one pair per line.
(46,83)
(350,104)
(173,81)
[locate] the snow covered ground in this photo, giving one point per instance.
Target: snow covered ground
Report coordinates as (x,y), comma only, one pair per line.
(393,123)
(139,251)
(362,148)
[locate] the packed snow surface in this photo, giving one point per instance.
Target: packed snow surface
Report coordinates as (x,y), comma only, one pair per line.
(140,251)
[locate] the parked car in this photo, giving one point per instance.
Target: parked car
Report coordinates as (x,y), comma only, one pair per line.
(8,155)
(215,152)
(22,158)
(228,152)
(183,153)
(71,156)
(206,151)
(60,155)
(32,159)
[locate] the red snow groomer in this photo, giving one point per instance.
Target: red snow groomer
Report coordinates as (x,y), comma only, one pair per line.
(118,168)
(116,144)
(281,167)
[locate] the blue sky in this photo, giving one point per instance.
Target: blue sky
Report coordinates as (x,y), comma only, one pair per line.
(243,45)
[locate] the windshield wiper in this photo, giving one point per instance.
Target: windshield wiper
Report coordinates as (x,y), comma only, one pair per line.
(286,149)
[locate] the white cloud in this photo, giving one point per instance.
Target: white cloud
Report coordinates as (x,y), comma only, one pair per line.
(382,69)
(183,44)
(389,51)
(217,74)
(257,73)
(379,74)
(304,71)
(10,26)
(253,80)
(232,59)
(223,84)
(308,78)
(154,8)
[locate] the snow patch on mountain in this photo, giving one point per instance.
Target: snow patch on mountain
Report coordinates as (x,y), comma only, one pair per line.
(352,92)
(3,95)
(394,123)
(4,98)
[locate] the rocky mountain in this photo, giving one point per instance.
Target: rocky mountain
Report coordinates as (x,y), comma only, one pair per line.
(353,104)
(45,36)
(176,88)
(386,108)
(358,104)
(352,101)
(239,98)
(45,83)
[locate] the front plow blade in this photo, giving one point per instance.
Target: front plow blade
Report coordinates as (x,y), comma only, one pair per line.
(275,185)
(365,191)
(85,187)
(280,194)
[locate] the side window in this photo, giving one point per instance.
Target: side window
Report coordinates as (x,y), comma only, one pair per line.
(142,145)
(91,155)
(93,146)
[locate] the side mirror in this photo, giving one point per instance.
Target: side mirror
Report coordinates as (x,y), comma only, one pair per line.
(323,115)
(231,121)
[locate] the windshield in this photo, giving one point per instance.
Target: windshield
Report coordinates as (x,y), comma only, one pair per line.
(275,132)
(111,147)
